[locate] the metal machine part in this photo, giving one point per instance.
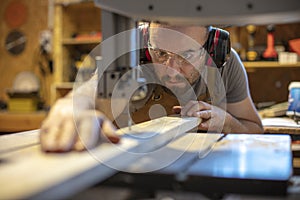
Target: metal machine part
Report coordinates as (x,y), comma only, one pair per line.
(117,58)
(206,12)
(115,24)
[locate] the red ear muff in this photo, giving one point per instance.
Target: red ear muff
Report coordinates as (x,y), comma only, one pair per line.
(218,47)
(147,54)
(144,37)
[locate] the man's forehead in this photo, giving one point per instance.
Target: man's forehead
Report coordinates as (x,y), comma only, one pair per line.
(177,38)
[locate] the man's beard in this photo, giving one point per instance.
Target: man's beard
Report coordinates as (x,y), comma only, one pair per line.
(178,91)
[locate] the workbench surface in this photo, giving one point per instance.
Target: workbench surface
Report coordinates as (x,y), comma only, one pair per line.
(192,159)
(281,125)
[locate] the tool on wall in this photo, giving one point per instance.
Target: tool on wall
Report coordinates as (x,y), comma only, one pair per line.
(15,42)
(251,53)
(270,52)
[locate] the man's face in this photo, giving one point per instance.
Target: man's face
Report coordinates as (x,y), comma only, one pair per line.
(178,54)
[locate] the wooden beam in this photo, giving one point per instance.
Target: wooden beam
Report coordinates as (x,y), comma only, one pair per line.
(27,172)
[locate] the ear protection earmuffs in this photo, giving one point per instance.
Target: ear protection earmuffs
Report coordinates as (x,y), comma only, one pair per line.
(217,46)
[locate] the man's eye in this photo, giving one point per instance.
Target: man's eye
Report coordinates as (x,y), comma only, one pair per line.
(162,53)
(187,55)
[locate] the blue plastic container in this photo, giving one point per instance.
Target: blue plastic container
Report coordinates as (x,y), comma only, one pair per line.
(294,101)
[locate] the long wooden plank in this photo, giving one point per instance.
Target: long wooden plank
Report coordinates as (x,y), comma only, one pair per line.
(18,141)
(177,156)
(30,173)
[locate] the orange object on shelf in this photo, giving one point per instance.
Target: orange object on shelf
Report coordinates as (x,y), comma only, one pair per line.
(270,53)
(295,45)
(89,36)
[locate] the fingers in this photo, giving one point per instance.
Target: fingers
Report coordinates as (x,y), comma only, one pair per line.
(88,132)
(177,109)
(198,109)
(67,136)
(79,133)
(58,137)
(49,135)
(62,132)
(109,130)
(193,107)
(57,131)
(204,114)
(204,125)
(48,139)
(93,125)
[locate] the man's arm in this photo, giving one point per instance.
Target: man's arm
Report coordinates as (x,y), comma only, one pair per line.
(242,117)
(239,115)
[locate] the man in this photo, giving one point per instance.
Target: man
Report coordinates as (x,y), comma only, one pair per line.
(179,68)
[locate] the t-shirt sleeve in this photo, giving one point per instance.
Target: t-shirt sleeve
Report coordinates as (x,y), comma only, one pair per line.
(235,79)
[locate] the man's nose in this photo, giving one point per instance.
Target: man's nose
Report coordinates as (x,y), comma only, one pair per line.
(173,68)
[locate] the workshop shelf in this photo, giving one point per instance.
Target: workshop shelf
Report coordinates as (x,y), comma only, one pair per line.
(74,41)
(266,64)
(77,30)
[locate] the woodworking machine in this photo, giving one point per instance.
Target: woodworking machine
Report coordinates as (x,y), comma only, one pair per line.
(118,16)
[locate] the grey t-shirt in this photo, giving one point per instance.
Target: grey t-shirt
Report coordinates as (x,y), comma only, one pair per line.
(228,83)
(235,79)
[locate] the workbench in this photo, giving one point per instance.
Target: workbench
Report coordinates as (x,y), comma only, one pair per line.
(202,163)
(21,121)
(286,125)
(281,125)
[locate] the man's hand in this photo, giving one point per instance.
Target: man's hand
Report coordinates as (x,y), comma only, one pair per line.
(213,118)
(67,129)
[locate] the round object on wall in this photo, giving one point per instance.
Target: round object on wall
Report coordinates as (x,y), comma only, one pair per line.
(15,14)
(15,42)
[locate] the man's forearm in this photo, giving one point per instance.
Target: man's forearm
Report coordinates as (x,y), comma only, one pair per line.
(234,125)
